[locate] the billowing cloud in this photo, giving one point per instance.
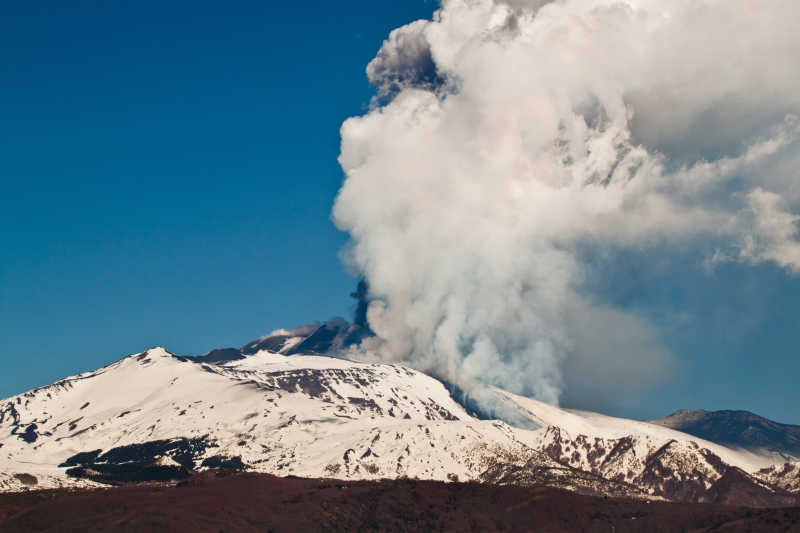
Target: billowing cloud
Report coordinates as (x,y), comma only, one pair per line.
(404,61)
(774,233)
(512,137)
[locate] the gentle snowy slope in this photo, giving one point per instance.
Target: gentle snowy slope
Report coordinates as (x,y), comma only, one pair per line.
(651,436)
(158,416)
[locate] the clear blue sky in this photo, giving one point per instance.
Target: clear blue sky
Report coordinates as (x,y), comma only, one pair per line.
(167,177)
(168,172)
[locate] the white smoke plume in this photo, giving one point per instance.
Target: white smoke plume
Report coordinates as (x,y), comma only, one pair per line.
(509,138)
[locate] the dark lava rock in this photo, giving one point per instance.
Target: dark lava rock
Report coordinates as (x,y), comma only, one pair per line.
(114,474)
(182,451)
(83,458)
(139,462)
(27,479)
(319,342)
(219,355)
(274,343)
(29,435)
(221,461)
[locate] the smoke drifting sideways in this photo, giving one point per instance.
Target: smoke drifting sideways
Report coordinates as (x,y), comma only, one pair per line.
(510,140)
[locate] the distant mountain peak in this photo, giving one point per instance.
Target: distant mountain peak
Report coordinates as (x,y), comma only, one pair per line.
(738,429)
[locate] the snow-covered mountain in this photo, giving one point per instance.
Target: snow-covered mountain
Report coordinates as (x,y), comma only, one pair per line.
(158,416)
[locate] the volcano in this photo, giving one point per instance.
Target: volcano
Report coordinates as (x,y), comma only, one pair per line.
(157,416)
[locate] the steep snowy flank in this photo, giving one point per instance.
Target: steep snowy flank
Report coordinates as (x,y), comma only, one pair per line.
(157,416)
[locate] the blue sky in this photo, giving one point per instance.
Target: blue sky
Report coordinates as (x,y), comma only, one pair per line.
(168,174)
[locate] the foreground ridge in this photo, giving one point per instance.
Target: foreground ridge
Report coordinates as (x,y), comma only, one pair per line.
(258,502)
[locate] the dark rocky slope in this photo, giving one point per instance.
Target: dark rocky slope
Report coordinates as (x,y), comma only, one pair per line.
(234,503)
